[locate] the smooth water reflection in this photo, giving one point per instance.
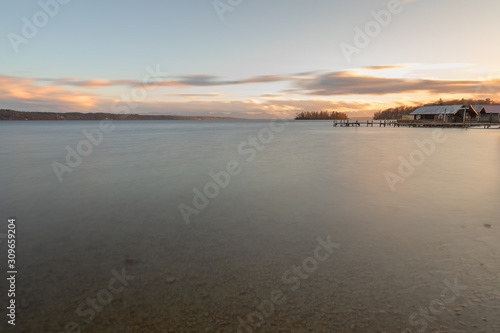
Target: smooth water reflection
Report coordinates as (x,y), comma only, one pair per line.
(119,210)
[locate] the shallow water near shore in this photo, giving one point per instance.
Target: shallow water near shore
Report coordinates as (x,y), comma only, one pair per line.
(418,252)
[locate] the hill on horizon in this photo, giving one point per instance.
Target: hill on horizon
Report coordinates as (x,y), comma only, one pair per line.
(6,114)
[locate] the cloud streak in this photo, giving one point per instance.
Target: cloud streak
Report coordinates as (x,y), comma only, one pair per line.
(351,83)
(25,94)
(200,80)
(25,91)
(309,83)
(298,92)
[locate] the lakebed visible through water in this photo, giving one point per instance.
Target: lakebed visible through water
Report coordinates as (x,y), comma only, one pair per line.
(251,226)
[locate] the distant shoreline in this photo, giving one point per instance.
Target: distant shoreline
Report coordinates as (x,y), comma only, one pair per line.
(10,115)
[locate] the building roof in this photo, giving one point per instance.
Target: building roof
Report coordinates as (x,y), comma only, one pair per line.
(491,108)
(438,109)
(478,108)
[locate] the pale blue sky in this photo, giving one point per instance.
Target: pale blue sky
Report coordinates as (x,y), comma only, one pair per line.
(113,40)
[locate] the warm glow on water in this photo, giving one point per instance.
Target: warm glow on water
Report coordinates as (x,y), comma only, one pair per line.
(419,252)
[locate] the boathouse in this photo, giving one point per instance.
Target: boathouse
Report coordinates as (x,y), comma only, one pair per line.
(488,113)
(445,113)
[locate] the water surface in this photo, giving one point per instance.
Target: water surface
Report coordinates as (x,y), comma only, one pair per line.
(400,248)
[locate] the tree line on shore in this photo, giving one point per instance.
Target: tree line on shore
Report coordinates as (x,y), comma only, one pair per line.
(321,115)
(21,115)
(399,111)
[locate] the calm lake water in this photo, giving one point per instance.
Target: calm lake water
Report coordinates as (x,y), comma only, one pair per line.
(109,250)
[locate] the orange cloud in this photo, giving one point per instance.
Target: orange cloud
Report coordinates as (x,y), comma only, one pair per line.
(25,91)
(339,91)
(353,83)
(379,68)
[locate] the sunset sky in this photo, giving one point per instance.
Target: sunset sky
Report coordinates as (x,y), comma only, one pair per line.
(245,58)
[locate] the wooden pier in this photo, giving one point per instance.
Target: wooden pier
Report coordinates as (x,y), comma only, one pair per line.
(369,123)
(412,123)
(467,124)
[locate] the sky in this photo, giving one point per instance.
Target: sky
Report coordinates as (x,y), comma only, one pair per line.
(249,59)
